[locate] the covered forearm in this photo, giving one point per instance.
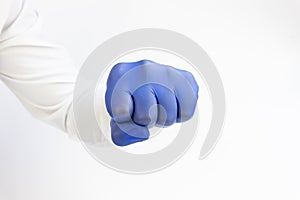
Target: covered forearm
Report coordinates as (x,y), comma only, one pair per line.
(40,74)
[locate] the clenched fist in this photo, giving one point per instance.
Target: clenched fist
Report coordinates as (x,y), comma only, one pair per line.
(144,94)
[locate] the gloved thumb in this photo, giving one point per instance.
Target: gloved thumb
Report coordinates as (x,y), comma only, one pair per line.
(126,133)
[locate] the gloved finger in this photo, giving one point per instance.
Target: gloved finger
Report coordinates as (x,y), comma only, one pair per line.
(117,92)
(167,109)
(145,106)
(126,133)
(120,105)
(186,91)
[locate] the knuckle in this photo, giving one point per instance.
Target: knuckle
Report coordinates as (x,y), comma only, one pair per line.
(118,69)
(142,119)
(120,113)
(166,122)
(186,115)
(188,75)
(145,61)
(169,122)
(171,118)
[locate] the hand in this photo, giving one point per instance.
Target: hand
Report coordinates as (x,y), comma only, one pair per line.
(144,94)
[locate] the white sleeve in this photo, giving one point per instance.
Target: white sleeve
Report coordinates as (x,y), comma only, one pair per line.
(40,74)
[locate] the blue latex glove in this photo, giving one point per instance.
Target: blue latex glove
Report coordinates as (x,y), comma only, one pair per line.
(144,94)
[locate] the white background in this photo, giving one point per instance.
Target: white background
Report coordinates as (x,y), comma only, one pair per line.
(254,43)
